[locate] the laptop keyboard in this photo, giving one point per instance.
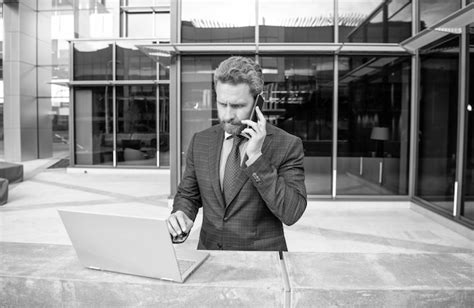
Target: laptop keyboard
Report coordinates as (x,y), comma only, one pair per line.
(184,265)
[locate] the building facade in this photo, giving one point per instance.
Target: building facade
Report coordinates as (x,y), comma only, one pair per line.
(378,90)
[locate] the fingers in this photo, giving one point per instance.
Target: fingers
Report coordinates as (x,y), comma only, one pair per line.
(249,133)
(173,226)
(179,223)
(252,124)
(257,125)
(182,223)
(261,118)
(185,223)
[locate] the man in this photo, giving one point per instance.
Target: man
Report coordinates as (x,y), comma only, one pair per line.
(247,186)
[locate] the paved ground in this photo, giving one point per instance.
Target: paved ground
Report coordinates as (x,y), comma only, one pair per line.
(346,231)
(31,216)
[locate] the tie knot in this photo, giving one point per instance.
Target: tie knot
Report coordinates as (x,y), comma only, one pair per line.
(235,138)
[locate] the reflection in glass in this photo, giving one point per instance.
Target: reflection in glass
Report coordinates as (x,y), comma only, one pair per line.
(374,102)
(432,11)
(136,125)
(145,22)
(92,61)
(164,64)
(144,2)
(308,21)
(374,21)
(197,97)
(164,124)
(93,126)
(95,19)
(438,123)
(140,24)
(468,207)
(132,64)
(299,93)
(2,152)
(217,21)
(60,118)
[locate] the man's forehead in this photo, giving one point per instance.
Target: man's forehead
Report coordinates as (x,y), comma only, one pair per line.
(238,87)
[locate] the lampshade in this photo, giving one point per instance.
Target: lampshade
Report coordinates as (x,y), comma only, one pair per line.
(379,133)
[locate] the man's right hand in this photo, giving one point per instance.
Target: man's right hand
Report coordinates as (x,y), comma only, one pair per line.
(179,224)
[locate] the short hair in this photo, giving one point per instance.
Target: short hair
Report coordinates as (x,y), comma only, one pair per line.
(236,70)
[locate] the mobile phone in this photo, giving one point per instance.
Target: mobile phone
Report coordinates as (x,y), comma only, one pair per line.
(258,102)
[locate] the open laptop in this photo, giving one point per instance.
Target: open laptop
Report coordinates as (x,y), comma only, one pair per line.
(131,245)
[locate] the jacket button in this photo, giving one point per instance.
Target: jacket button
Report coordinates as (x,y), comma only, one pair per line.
(219,245)
(256,177)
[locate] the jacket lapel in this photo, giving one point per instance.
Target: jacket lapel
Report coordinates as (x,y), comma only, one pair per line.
(242,177)
(239,182)
(215,147)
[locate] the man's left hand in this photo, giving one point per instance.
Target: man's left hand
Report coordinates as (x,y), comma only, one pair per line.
(256,134)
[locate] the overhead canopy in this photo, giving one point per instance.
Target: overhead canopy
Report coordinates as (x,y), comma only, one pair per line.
(450,24)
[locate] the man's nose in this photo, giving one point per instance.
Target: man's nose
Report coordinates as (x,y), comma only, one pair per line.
(228,114)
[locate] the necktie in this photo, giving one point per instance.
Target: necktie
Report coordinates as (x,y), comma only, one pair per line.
(232,169)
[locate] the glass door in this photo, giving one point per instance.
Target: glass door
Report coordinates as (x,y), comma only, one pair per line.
(438,123)
(136,125)
(468,200)
(373,125)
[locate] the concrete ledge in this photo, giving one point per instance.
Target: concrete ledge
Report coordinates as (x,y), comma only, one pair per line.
(382,298)
(381,280)
(42,275)
(452,225)
(75,170)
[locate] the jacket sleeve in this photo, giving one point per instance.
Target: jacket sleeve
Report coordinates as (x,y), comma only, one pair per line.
(188,197)
(282,187)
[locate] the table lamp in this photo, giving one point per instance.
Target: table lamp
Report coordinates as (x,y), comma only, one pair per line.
(380,134)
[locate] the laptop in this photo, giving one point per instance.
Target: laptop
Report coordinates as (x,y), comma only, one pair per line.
(130,245)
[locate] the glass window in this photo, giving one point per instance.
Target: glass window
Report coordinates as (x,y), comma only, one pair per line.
(93,126)
(164,124)
(468,206)
(148,24)
(438,122)
(298,98)
(133,64)
(96,19)
(376,21)
(136,125)
(217,21)
(432,11)
(162,25)
(145,2)
(93,61)
(56,5)
(140,24)
(2,152)
(62,30)
(372,146)
(164,67)
(197,97)
(60,117)
(308,21)
(60,59)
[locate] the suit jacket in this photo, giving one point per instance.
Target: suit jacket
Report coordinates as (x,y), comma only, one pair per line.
(269,192)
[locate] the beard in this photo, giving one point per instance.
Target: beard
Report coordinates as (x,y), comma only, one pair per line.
(232,128)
